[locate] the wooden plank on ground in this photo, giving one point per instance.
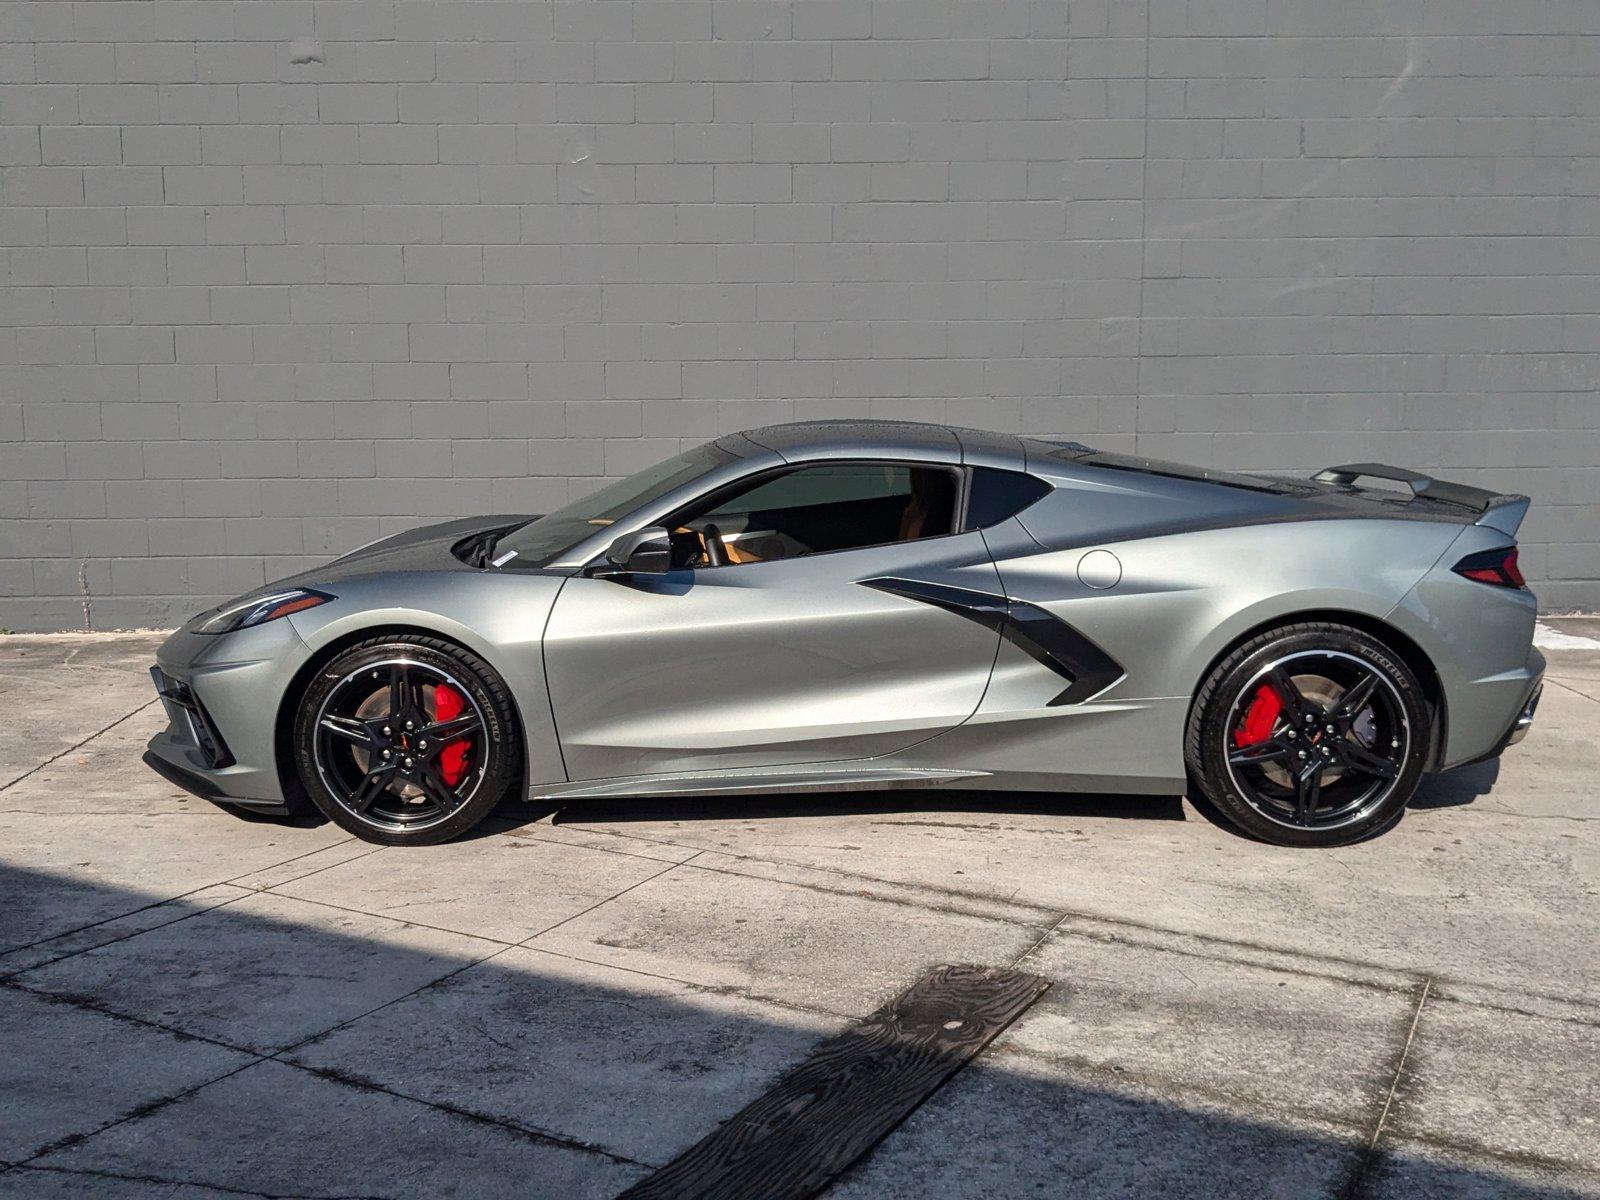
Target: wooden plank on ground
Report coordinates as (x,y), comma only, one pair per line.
(854,1088)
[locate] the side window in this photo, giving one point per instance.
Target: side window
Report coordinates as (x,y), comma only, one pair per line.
(998,494)
(822,508)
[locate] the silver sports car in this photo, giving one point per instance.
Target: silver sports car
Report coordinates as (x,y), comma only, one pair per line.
(842,605)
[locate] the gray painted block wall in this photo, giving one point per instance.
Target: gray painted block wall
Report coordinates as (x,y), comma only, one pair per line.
(278,276)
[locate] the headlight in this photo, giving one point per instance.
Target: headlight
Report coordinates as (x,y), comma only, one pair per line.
(259,609)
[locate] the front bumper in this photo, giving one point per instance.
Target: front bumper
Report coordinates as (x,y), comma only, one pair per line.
(222,694)
(189,720)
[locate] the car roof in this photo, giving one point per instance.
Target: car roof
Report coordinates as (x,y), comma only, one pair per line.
(928,439)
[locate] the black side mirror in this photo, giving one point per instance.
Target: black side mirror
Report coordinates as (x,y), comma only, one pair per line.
(644,551)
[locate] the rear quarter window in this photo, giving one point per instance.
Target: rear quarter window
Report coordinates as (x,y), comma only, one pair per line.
(998,494)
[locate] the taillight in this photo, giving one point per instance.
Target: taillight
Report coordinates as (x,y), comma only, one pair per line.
(1498,567)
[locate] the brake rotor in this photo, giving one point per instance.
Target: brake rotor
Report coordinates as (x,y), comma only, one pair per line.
(1261,717)
(446,704)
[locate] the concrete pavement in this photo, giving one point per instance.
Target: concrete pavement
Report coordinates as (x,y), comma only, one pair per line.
(193,1004)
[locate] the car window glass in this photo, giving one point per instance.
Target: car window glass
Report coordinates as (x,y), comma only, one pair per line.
(543,541)
(997,494)
(823,508)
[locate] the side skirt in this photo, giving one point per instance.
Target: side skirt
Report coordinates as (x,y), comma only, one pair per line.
(775,779)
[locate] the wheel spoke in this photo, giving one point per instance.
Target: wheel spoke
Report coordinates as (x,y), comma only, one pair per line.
(1354,697)
(1294,704)
(405,693)
(1269,751)
(1307,791)
(434,787)
(348,727)
(372,785)
(444,731)
(399,690)
(1358,756)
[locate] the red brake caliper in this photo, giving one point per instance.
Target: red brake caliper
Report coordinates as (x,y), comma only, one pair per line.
(1259,718)
(448,704)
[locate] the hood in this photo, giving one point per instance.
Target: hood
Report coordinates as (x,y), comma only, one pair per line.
(426,548)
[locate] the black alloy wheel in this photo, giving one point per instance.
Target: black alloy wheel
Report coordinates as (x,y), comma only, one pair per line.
(406,741)
(1310,735)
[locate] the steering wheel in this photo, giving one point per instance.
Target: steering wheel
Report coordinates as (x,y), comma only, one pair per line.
(716,553)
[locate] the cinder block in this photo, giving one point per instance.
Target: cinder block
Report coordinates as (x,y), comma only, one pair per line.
(829,20)
(203,185)
(122,185)
(239,144)
(357,103)
(68,62)
(153,62)
(134,345)
(198,104)
(162,144)
(243,225)
(278,103)
(80,145)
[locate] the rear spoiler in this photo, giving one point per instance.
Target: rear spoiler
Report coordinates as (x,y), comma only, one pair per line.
(1499,512)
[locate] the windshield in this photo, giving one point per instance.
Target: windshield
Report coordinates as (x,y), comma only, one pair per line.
(539,543)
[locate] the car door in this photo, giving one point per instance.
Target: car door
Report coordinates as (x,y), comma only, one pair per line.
(793,652)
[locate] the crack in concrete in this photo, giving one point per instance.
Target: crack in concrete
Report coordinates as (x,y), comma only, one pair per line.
(78,745)
(361,1083)
(1369,1156)
(1125,1077)
(256,1057)
(1314,958)
(166,1181)
(173,900)
(1567,687)
(889,898)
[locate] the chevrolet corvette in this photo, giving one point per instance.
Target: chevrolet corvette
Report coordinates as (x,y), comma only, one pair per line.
(845,605)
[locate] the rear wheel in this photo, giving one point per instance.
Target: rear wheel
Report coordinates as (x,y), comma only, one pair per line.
(406,740)
(1310,735)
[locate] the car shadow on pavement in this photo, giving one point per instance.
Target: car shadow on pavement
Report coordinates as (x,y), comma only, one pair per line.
(772,806)
(274,1045)
(1463,785)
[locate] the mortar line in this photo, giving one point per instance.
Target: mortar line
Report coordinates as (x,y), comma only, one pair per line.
(79,745)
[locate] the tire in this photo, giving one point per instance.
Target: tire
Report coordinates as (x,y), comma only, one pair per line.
(382,779)
(1312,734)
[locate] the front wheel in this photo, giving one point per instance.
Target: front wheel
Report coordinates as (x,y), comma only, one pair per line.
(406,740)
(1314,734)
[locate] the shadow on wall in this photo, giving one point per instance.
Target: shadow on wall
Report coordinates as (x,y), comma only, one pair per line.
(273,1046)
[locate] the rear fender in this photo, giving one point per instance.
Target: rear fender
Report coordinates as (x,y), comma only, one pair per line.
(1480,638)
